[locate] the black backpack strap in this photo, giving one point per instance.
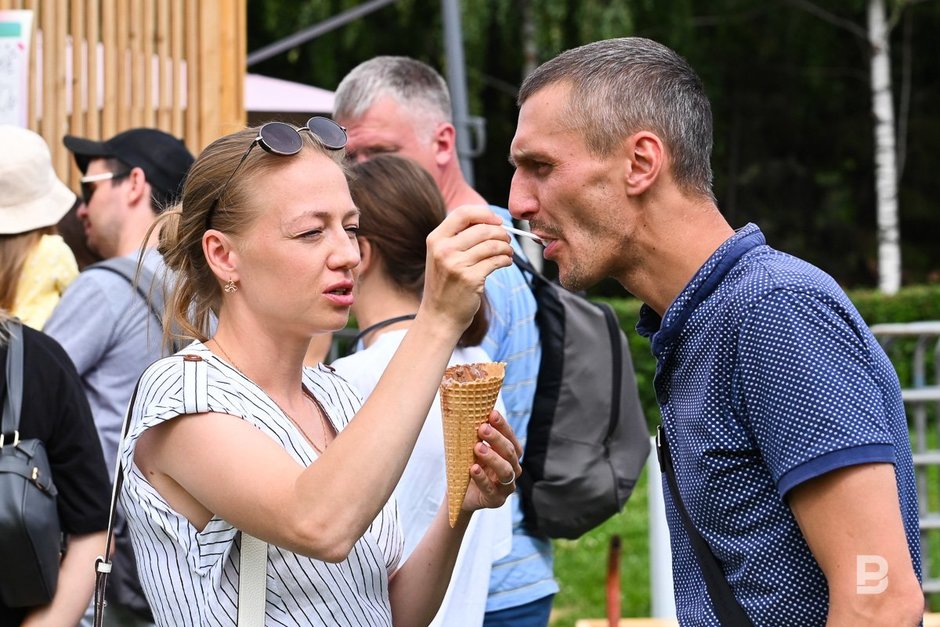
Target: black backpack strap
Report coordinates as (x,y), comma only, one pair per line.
(616,369)
(128,269)
(729,611)
(13,400)
(525,266)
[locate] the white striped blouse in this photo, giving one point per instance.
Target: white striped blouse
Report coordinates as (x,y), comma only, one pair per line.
(190,577)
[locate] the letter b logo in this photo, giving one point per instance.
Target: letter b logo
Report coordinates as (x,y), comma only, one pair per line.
(871,574)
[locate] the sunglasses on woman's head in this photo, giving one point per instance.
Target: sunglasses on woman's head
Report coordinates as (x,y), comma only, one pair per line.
(89,181)
(283,139)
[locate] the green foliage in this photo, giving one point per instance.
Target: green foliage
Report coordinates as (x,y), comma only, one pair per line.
(566,24)
(790,95)
(581,565)
(910,304)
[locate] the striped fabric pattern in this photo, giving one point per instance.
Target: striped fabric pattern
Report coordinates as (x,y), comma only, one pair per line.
(190,577)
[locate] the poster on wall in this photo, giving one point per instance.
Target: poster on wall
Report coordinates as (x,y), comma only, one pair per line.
(15,30)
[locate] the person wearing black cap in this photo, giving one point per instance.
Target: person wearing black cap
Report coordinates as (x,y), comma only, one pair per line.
(102,321)
(126,181)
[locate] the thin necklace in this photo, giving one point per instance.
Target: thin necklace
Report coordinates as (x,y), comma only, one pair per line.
(318,409)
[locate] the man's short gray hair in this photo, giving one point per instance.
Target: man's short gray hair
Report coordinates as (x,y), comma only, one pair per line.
(622,86)
(408,81)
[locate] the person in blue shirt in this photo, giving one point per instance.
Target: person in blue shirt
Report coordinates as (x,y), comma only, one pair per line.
(397,105)
(784,415)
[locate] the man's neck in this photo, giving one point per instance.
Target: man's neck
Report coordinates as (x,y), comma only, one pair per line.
(457,191)
(670,250)
(132,238)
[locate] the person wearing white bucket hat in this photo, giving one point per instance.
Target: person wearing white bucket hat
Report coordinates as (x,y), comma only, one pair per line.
(36,265)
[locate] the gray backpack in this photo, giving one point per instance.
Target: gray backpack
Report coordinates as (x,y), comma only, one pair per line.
(587,439)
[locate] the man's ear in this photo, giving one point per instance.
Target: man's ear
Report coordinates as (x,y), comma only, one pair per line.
(444,141)
(221,255)
(644,161)
(137,188)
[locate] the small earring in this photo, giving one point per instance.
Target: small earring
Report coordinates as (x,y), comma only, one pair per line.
(230,287)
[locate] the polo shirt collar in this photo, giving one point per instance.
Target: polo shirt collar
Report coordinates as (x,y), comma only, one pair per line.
(703,283)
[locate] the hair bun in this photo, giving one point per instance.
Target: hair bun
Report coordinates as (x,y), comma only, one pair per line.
(169,236)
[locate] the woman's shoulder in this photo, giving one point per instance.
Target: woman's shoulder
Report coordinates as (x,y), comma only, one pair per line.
(44,344)
(364,367)
(51,260)
(188,382)
(352,366)
(190,370)
(162,383)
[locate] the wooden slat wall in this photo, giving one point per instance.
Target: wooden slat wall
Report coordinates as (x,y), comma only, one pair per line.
(177,65)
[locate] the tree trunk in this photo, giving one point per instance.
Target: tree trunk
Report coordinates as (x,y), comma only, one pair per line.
(886,179)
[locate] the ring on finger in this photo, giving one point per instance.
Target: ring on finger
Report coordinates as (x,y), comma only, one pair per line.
(512,479)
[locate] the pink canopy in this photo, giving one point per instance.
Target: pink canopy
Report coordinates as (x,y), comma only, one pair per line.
(263,93)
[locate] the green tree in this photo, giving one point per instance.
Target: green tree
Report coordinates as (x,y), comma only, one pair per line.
(790,94)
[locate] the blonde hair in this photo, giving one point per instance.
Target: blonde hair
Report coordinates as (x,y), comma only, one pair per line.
(196,294)
(14,249)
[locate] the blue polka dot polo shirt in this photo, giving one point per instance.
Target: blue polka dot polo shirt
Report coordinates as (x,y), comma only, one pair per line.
(768,377)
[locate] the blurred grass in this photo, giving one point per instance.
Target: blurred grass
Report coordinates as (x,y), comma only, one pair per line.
(932,536)
(581,565)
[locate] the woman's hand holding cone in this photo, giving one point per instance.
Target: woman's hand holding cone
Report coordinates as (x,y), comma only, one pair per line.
(497,463)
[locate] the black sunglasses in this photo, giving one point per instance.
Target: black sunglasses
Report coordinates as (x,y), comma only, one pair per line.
(89,182)
(283,139)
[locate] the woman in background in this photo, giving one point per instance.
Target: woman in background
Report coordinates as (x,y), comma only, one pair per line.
(400,206)
(55,411)
(36,265)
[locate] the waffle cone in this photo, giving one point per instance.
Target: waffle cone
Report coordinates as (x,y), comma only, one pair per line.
(465,405)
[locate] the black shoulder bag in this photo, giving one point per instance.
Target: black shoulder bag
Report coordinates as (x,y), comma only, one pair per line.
(729,611)
(30,535)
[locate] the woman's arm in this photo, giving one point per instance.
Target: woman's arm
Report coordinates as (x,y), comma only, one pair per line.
(217,464)
(418,587)
(76,583)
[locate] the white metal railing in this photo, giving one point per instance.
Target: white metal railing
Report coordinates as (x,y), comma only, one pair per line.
(918,343)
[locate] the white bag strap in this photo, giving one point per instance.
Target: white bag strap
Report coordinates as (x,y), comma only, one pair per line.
(253,557)
(252,581)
